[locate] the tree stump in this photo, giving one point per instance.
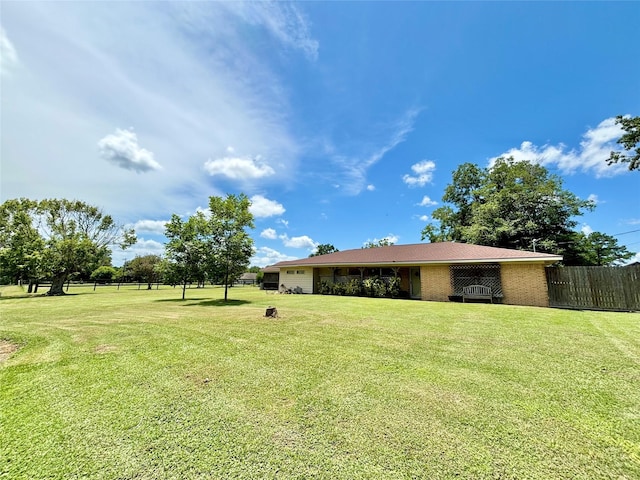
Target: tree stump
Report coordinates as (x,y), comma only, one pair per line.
(271,312)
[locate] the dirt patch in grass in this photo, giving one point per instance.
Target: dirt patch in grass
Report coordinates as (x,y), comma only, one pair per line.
(7,349)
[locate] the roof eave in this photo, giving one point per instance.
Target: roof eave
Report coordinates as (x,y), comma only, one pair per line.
(546,260)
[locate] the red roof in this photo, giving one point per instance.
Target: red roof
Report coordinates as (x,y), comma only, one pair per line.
(421,253)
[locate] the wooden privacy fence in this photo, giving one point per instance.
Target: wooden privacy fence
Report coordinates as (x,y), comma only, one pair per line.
(595,288)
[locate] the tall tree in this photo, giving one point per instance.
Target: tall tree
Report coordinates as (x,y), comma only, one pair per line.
(145,269)
(630,141)
(513,204)
(232,246)
(324,249)
(187,250)
(21,245)
(74,237)
(595,249)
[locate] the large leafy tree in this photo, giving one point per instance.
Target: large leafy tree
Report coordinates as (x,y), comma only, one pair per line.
(145,269)
(232,247)
(214,245)
(513,204)
(21,245)
(595,249)
(630,140)
(324,249)
(72,237)
(187,250)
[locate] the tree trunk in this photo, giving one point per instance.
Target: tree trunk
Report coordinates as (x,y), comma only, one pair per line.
(184,288)
(226,281)
(30,287)
(149,286)
(57,285)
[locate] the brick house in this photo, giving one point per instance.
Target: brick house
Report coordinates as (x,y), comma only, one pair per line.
(429,271)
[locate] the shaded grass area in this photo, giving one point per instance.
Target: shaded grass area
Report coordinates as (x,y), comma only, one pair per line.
(136,384)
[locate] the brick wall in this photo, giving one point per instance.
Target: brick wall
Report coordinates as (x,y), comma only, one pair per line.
(435,283)
(524,284)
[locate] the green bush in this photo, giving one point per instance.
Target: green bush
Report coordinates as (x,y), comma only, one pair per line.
(339,289)
(354,287)
(324,288)
(393,287)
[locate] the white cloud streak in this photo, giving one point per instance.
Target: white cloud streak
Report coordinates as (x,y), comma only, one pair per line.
(595,147)
(283,20)
(8,54)
(192,77)
(356,166)
(121,148)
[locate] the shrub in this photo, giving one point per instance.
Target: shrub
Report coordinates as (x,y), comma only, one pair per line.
(325,288)
(393,287)
(354,287)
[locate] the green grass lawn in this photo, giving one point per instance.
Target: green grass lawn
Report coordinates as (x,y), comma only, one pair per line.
(139,384)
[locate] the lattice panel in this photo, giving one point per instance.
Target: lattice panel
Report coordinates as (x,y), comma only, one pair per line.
(487,274)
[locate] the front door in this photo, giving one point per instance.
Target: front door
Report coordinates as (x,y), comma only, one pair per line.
(416,292)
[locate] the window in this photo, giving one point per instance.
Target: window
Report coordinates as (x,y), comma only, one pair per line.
(290,272)
(300,272)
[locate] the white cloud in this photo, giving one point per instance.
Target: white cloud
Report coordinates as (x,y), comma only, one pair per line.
(284,222)
(141,248)
(298,242)
(595,147)
(264,256)
(121,148)
(424,218)
(238,168)
(150,226)
(92,68)
(269,233)
(391,238)
(283,20)
(371,188)
(634,259)
(594,198)
(586,229)
(423,174)
(8,54)
(427,202)
(262,207)
(356,166)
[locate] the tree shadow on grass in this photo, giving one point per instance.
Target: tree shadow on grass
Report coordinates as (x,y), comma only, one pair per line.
(205,302)
(29,296)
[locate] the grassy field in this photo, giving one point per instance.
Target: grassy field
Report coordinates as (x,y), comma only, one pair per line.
(139,384)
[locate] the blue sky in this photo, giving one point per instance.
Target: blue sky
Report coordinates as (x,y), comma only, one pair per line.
(342,121)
